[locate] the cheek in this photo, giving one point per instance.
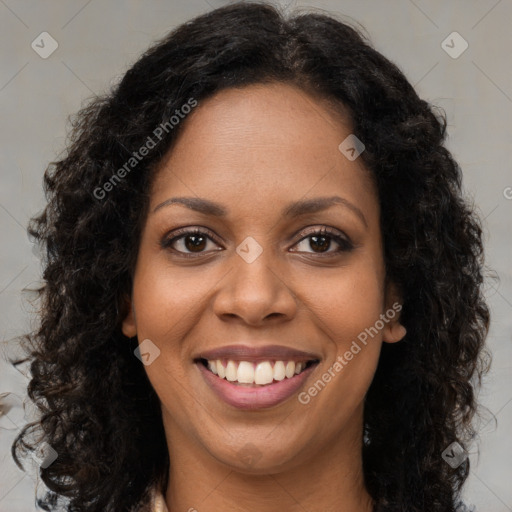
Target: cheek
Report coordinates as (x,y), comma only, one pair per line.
(169,301)
(165,310)
(167,307)
(347,301)
(346,307)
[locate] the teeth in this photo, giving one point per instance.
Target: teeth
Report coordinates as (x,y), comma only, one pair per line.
(279,371)
(245,373)
(290,369)
(212,366)
(221,371)
(264,372)
(231,371)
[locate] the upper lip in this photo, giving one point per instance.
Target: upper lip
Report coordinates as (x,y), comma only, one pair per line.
(254,353)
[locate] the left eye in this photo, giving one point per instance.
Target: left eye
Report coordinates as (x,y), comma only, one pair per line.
(321,241)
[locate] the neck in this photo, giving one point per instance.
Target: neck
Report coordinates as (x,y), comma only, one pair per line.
(329,480)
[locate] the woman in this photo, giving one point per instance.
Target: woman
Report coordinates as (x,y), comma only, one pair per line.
(262,283)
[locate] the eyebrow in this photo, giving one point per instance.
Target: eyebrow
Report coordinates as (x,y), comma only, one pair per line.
(197,204)
(295,209)
(318,204)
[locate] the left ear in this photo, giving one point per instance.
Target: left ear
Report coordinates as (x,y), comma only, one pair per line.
(393,330)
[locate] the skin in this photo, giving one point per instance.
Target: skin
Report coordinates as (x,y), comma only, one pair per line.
(254,151)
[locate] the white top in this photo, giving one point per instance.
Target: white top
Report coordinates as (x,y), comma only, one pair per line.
(158,502)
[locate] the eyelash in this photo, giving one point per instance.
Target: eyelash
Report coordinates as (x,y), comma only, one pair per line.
(343,242)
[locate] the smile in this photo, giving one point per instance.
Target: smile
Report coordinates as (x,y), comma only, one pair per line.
(261,373)
(248,376)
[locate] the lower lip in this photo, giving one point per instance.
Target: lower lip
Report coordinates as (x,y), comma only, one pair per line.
(257,397)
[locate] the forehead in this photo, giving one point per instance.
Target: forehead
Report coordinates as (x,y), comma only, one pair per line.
(264,141)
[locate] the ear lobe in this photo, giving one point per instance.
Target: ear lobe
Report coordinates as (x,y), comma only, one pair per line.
(393,330)
(129,325)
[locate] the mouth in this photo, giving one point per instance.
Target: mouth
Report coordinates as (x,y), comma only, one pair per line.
(256,374)
(254,378)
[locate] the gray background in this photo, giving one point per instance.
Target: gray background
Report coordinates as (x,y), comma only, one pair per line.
(97,41)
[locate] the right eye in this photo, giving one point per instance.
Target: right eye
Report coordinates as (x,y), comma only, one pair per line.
(189,242)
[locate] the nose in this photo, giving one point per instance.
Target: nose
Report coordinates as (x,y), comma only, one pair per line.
(255,293)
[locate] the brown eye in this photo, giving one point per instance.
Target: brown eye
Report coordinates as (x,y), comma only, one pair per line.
(322,241)
(195,243)
(319,243)
(190,242)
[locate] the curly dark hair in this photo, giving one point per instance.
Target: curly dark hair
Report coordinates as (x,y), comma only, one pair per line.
(98,408)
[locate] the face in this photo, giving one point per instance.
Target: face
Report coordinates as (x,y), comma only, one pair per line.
(262,247)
